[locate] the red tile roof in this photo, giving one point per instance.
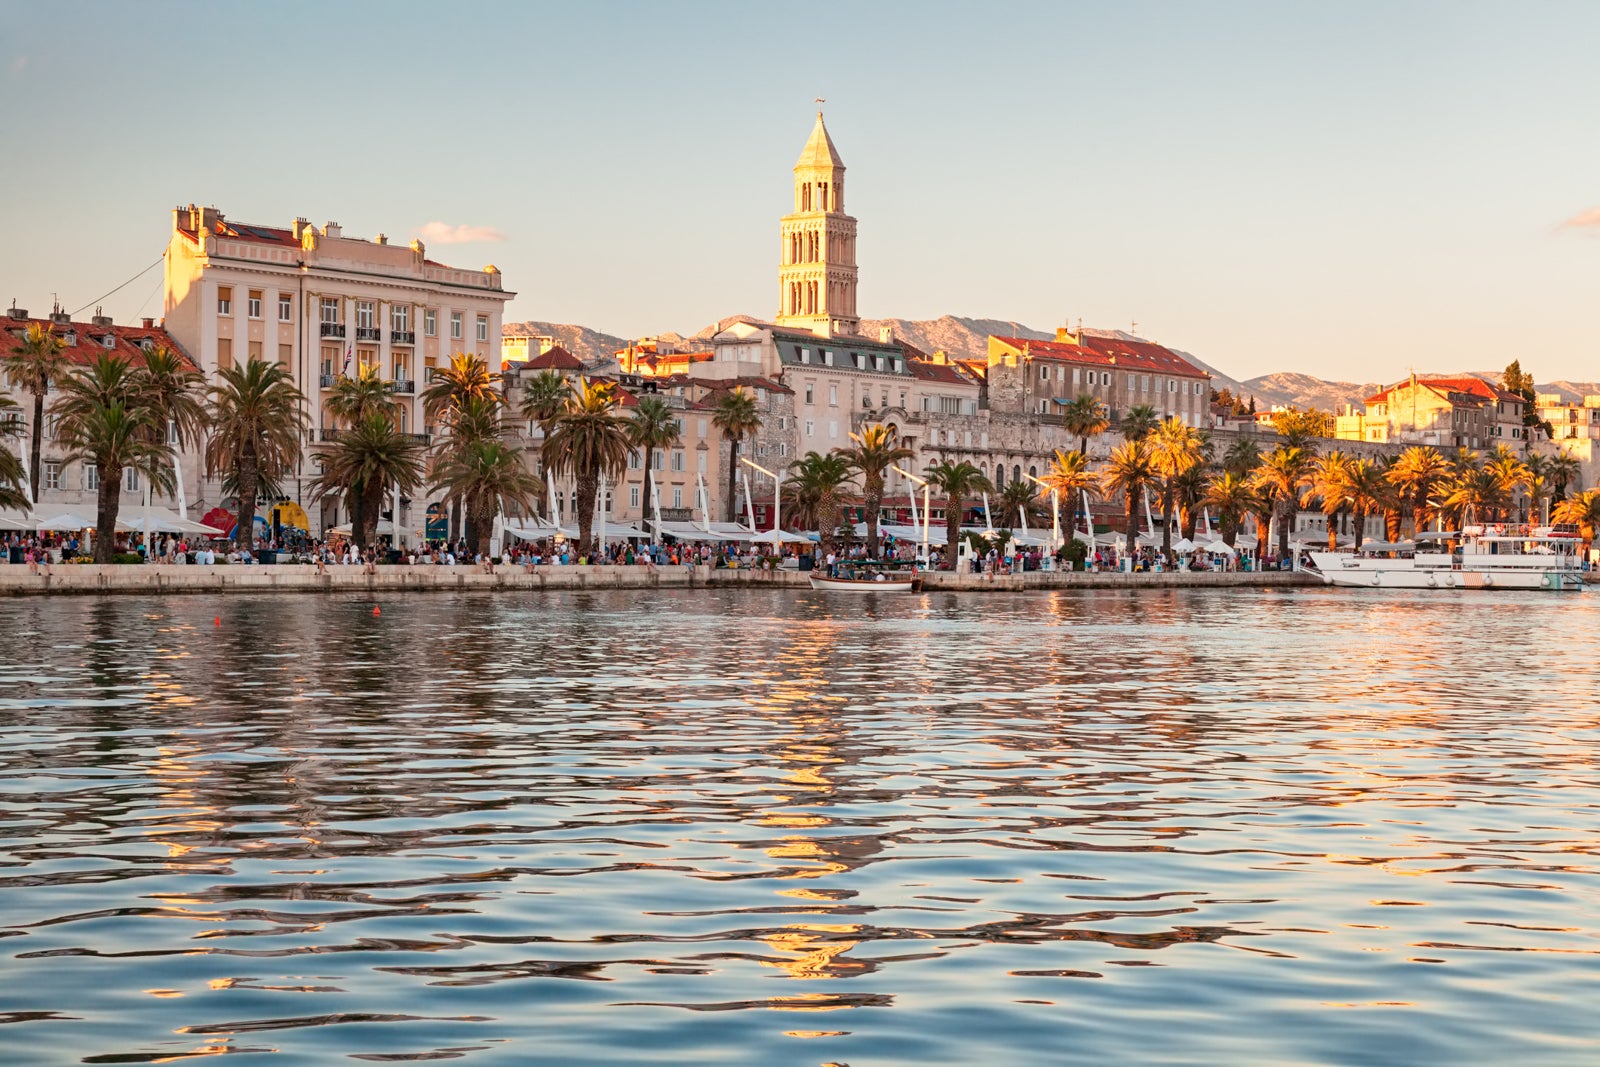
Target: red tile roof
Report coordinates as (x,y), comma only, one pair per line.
(721,385)
(1109,352)
(925,371)
(1474,387)
(90,339)
(557,358)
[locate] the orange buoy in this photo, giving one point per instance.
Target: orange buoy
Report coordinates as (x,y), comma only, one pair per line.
(375,610)
(217,621)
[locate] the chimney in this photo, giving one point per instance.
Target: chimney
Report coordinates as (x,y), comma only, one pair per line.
(419,248)
(16,312)
(59,317)
(382,239)
(331,231)
(886,334)
(101,320)
(299,227)
(149,324)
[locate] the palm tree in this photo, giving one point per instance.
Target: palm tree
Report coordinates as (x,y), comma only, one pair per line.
(588,440)
(876,449)
(353,397)
(1189,494)
(1230,493)
(1510,475)
(484,471)
(1277,478)
(104,419)
(1475,494)
(1018,499)
(1139,422)
(473,419)
(1368,491)
(1415,474)
(736,416)
(816,479)
(13,494)
(33,366)
(1582,511)
(1564,471)
(1070,477)
(1537,486)
(362,465)
(1242,457)
(1327,486)
(543,398)
(1129,471)
(174,390)
(957,481)
(464,376)
(256,417)
(1085,417)
(652,427)
(1176,448)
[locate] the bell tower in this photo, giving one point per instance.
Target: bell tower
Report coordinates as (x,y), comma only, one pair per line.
(817,272)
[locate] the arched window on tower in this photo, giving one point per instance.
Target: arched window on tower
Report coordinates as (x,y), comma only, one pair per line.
(805,197)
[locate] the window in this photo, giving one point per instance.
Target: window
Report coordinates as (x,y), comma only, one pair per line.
(677,459)
(1105,379)
(635,461)
(225,300)
(833,394)
(430,322)
(805,355)
(1172,386)
(91,477)
(455,325)
(1044,374)
(700,462)
(810,398)
(701,425)
(255,349)
(658,462)
(483,327)
(330,309)
(52,475)
(811,428)
(833,429)
(130,480)
(285,354)
(224,353)
(364,315)
(400,318)
(253,309)
(633,496)
(677,497)
(285,307)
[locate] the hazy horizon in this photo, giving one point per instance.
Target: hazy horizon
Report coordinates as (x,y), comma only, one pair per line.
(1348,192)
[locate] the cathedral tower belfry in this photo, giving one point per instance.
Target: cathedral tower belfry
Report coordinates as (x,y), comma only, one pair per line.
(817,275)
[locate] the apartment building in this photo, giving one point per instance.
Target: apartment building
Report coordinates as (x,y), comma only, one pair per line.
(1442,412)
(321,303)
(75,487)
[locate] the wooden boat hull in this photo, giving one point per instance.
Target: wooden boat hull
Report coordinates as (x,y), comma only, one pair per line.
(863,585)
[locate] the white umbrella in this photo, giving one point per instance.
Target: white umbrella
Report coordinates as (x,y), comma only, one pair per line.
(69,520)
(11,520)
(1184,545)
(1221,548)
(781,536)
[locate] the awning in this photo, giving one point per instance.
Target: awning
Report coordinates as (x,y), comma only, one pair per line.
(69,520)
(13,520)
(163,520)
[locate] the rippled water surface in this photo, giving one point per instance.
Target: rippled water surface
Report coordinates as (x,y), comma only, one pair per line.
(752,827)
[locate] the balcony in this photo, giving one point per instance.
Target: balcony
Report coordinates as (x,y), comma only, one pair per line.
(402,337)
(327,381)
(400,385)
(677,514)
(327,434)
(425,438)
(368,333)
(333,329)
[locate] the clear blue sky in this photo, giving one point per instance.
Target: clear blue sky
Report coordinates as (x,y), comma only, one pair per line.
(1344,189)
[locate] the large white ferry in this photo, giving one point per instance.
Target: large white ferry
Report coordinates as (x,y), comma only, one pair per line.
(1507,556)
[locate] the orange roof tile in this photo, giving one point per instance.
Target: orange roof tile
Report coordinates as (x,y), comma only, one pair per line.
(89,339)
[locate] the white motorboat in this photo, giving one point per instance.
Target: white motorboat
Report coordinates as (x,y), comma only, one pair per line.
(1497,556)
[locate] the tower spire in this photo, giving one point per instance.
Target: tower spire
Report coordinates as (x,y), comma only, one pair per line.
(817,275)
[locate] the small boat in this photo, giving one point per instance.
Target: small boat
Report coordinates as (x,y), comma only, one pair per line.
(1490,556)
(867,578)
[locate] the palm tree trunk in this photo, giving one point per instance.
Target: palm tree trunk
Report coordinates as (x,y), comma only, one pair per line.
(1333,532)
(355,499)
(873,503)
(108,501)
(647,515)
(1262,530)
(483,522)
(588,483)
(470,526)
(1132,520)
(244,532)
(1166,521)
(371,511)
(1285,517)
(33,456)
(1358,520)
(1083,443)
(733,478)
(952,529)
(1188,519)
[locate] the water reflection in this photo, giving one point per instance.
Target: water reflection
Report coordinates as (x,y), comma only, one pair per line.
(1302,826)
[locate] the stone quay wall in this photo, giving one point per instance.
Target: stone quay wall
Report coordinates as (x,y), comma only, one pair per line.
(164,579)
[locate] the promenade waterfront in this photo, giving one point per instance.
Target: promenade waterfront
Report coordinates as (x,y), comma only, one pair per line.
(771,826)
(87,579)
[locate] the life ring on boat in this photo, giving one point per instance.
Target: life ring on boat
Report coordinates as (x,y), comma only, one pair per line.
(1376,577)
(1488,581)
(1499,529)
(1433,581)
(1546,580)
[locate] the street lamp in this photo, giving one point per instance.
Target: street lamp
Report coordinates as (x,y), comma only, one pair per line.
(777,497)
(926,514)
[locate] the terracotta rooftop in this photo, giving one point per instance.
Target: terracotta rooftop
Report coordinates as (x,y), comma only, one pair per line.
(1108,352)
(1475,387)
(557,358)
(89,339)
(926,371)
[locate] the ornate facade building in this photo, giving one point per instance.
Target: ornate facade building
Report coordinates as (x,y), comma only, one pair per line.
(817,278)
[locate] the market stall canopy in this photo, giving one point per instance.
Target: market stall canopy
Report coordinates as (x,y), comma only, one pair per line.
(69,520)
(385,527)
(1220,548)
(15,520)
(782,537)
(164,521)
(1184,545)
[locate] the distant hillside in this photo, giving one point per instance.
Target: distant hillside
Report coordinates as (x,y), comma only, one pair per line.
(588,345)
(1291,389)
(962,338)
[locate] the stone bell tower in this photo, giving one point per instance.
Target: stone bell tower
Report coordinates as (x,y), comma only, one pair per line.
(817,275)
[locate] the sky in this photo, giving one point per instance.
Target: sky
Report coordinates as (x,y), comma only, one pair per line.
(1347,190)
